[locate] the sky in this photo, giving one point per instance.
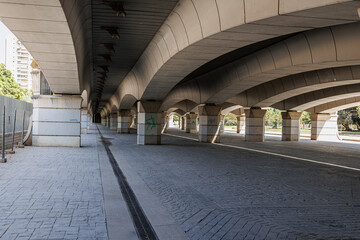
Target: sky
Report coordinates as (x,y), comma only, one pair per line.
(4,31)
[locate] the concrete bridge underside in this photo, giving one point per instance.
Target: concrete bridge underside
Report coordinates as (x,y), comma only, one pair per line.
(134,63)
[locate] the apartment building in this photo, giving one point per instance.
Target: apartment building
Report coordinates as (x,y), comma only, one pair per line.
(18,60)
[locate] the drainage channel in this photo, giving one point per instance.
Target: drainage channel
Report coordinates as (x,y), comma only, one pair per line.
(142,225)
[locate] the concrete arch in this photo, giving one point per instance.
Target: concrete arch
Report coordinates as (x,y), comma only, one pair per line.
(335,106)
(310,100)
(127,102)
(43,29)
(184,105)
(269,93)
(198,31)
(85,97)
(229,108)
(313,50)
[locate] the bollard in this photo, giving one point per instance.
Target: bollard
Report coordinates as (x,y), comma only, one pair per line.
(3,158)
(13,135)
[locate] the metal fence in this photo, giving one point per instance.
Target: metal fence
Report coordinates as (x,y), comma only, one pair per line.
(13,124)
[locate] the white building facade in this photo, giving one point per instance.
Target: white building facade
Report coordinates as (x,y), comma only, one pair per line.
(18,60)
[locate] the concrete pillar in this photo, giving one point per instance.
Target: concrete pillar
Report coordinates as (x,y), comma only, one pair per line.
(182,123)
(164,122)
(108,120)
(290,126)
(240,126)
(149,123)
(84,120)
(190,126)
(222,123)
(209,124)
(133,121)
(114,121)
(254,128)
(56,120)
(123,121)
(324,126)
(89,122)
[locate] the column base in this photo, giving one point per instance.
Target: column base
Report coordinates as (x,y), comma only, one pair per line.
(56,121)
(56,141)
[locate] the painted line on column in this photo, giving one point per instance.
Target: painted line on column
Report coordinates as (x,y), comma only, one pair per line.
(142,225)
(273,154)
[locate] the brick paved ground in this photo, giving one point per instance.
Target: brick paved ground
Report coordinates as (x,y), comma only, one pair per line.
(52,193)
(224,193)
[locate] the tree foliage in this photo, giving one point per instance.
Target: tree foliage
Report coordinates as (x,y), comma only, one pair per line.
(349,117)
(305,118)
(8,86)
(230,120)
(273,117)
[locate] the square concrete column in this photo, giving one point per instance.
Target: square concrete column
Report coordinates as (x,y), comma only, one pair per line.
(164,122)
(133,121)
(84,120)
(240,124)
(102,121)
(114,121)
(123,121)
(56,120)
(190,126)
(107,122)
(149,123)
(254,125)
(89,122)
(182,123)
(324,126)
(290,126)
(209,124)
(222,123)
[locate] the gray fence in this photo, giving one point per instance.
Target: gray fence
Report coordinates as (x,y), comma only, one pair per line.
(23,112)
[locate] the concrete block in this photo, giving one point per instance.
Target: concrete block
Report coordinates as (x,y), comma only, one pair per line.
(56,141)
(56,128)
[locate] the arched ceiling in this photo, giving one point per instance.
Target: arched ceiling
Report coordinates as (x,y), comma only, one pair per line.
(42,27)
(199,31)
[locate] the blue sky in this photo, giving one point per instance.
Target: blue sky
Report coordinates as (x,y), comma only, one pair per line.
(4,31)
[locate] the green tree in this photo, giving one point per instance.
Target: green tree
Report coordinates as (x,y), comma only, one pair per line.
(305,118)
(230,120)
(8,86)
(273,117)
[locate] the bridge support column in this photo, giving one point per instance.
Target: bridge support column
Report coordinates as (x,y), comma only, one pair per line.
(240,124)
(123,121)
(182,127)
(291,126)
(113,121)
(324,126)
(190,126)
(84,120)
(165,122)
(89,122)
(133,121)
(221,123)
(254,128)
(209,121)
(56,120)
(107,123)
(149,123)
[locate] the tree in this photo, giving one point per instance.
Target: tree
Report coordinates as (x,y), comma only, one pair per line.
(349,117)
(305,118)
(230,120)
(8,86)
(273,117)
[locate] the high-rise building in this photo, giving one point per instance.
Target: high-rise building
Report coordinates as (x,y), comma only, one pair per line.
(18,60)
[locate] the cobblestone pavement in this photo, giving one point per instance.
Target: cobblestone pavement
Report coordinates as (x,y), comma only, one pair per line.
(52,193)
(217,192)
